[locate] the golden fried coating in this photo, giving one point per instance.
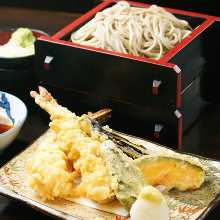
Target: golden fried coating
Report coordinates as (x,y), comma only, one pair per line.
(69,163)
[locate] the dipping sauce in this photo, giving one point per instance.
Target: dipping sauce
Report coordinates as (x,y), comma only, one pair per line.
(4,128)
(6,121)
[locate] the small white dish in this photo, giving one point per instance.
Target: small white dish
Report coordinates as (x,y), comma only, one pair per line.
(18,112)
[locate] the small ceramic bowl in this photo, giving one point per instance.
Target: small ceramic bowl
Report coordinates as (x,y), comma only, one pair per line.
(18,112)
(16,74)
(17,62)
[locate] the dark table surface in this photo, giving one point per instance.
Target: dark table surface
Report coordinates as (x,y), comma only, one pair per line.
(202,138)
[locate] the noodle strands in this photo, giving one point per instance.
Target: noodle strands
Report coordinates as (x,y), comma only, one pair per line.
(146,32)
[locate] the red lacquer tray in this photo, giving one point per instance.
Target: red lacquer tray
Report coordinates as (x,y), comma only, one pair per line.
(129,82)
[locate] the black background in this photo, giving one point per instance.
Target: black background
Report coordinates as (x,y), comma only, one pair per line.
(203,138)
(203,6)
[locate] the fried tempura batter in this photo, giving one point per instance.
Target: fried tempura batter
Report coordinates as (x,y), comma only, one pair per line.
(69,164)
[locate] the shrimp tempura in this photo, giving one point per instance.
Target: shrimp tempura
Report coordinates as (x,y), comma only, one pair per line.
(72,150)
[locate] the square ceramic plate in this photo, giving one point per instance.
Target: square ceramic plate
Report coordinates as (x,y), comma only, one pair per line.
(193,205)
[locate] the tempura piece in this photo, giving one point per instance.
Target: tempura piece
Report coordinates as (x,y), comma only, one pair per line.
(51,174)
(127,180)
(171,171)
(75,143)
(45,100)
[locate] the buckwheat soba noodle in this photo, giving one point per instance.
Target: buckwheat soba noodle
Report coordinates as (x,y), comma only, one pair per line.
(146,32)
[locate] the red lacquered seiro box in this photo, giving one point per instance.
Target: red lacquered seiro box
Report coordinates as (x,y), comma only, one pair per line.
(160,97)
